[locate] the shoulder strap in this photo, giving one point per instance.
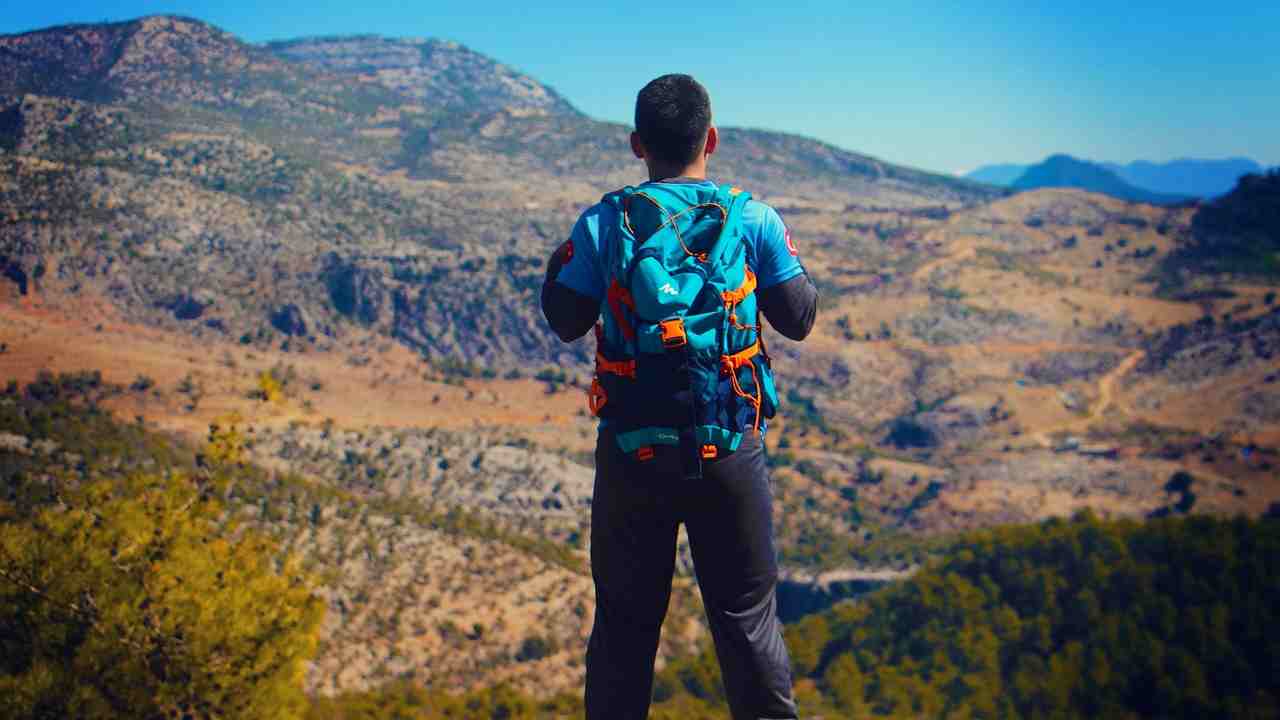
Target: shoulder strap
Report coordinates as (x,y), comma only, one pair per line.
(615,255)
(734,201)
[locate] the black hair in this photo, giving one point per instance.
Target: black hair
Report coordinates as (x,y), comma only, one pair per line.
(673,113)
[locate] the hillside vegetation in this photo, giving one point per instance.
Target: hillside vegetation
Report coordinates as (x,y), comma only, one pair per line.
(1080,618)
(129,588)
(1237,234)
(412,590)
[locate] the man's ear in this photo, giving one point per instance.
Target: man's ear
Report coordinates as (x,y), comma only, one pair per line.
(637,147)
(713,140)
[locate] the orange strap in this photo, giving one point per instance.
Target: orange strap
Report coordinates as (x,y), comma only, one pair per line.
(733,297)
(729,363)
(756,401)
(618,296)
(625,368)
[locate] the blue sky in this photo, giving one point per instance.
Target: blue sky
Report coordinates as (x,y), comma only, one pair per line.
(934,85)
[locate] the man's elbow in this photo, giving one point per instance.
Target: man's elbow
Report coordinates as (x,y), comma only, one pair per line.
(792,307)
(569,314)
(799,328)
(804,323)
(567,333)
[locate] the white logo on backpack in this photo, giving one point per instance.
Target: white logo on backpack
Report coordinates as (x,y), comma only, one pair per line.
(669,289)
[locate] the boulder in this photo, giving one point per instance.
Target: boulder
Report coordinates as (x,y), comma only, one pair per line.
(290,320)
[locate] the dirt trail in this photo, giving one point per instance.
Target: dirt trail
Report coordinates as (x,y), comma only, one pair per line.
(1106,398)
(1107,385)
(922,273)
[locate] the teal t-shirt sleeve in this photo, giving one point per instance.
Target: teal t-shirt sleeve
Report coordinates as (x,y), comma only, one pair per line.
(584,272)
(777,260)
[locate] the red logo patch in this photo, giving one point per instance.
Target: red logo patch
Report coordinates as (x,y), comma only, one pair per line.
(566,251)
(791,244)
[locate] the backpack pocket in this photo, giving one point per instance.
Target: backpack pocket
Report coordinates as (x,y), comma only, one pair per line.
(768,392)
(659,294)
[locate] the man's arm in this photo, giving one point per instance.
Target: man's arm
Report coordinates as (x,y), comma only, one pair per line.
(573,285)
(791,306)
(569,313)
(787,296)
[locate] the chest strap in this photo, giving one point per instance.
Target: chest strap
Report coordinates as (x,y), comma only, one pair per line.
(733,297)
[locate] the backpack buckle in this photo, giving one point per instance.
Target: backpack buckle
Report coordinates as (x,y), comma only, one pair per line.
(672,332)
(596,397)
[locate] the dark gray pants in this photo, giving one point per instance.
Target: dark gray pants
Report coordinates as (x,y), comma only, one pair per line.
(728,515)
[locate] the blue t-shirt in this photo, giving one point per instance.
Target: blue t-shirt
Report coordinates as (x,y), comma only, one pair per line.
(770,251)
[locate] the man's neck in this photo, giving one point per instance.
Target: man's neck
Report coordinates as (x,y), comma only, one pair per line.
(696,171)
(684,179)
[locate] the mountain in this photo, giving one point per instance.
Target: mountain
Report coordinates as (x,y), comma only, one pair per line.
(1002,175)
(1066,171)
(1187,177)
(360,183)
(1197,178)
(442,75)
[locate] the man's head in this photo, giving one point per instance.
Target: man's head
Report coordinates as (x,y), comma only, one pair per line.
(673,124)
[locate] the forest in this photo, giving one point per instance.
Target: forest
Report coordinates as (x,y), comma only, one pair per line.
(1084,617)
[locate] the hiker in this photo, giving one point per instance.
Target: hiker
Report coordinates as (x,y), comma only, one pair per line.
(679,271)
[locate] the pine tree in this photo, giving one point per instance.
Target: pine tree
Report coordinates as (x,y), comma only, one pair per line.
(139,598)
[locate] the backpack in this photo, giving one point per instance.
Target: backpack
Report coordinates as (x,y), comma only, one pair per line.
(680,360)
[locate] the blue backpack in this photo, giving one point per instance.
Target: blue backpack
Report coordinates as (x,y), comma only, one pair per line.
(680,360)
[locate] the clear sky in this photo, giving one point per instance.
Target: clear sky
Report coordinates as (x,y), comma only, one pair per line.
(928,84)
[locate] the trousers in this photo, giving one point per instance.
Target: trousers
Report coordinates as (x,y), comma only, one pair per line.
(635,513)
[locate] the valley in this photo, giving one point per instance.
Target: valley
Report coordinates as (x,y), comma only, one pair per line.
(336,247)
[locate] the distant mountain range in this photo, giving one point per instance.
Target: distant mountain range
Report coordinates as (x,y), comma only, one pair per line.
(1066,171)
(1201,178)
(1168,181)
(1002,175)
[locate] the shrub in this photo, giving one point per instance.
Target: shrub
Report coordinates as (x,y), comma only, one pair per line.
(133,599)
(534,647)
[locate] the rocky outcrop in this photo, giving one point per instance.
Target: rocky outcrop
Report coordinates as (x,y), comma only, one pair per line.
(356,293)
(290,320)
(800,594)
(439,73)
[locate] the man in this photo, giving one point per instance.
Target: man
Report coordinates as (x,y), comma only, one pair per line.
(640,497)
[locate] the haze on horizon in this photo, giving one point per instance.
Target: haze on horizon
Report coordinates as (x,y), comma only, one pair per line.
(928,84)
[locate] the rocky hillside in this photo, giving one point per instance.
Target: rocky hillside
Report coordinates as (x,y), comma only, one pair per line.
(304,189)
(440,74)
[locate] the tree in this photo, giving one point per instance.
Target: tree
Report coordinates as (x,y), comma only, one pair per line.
(139,598)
